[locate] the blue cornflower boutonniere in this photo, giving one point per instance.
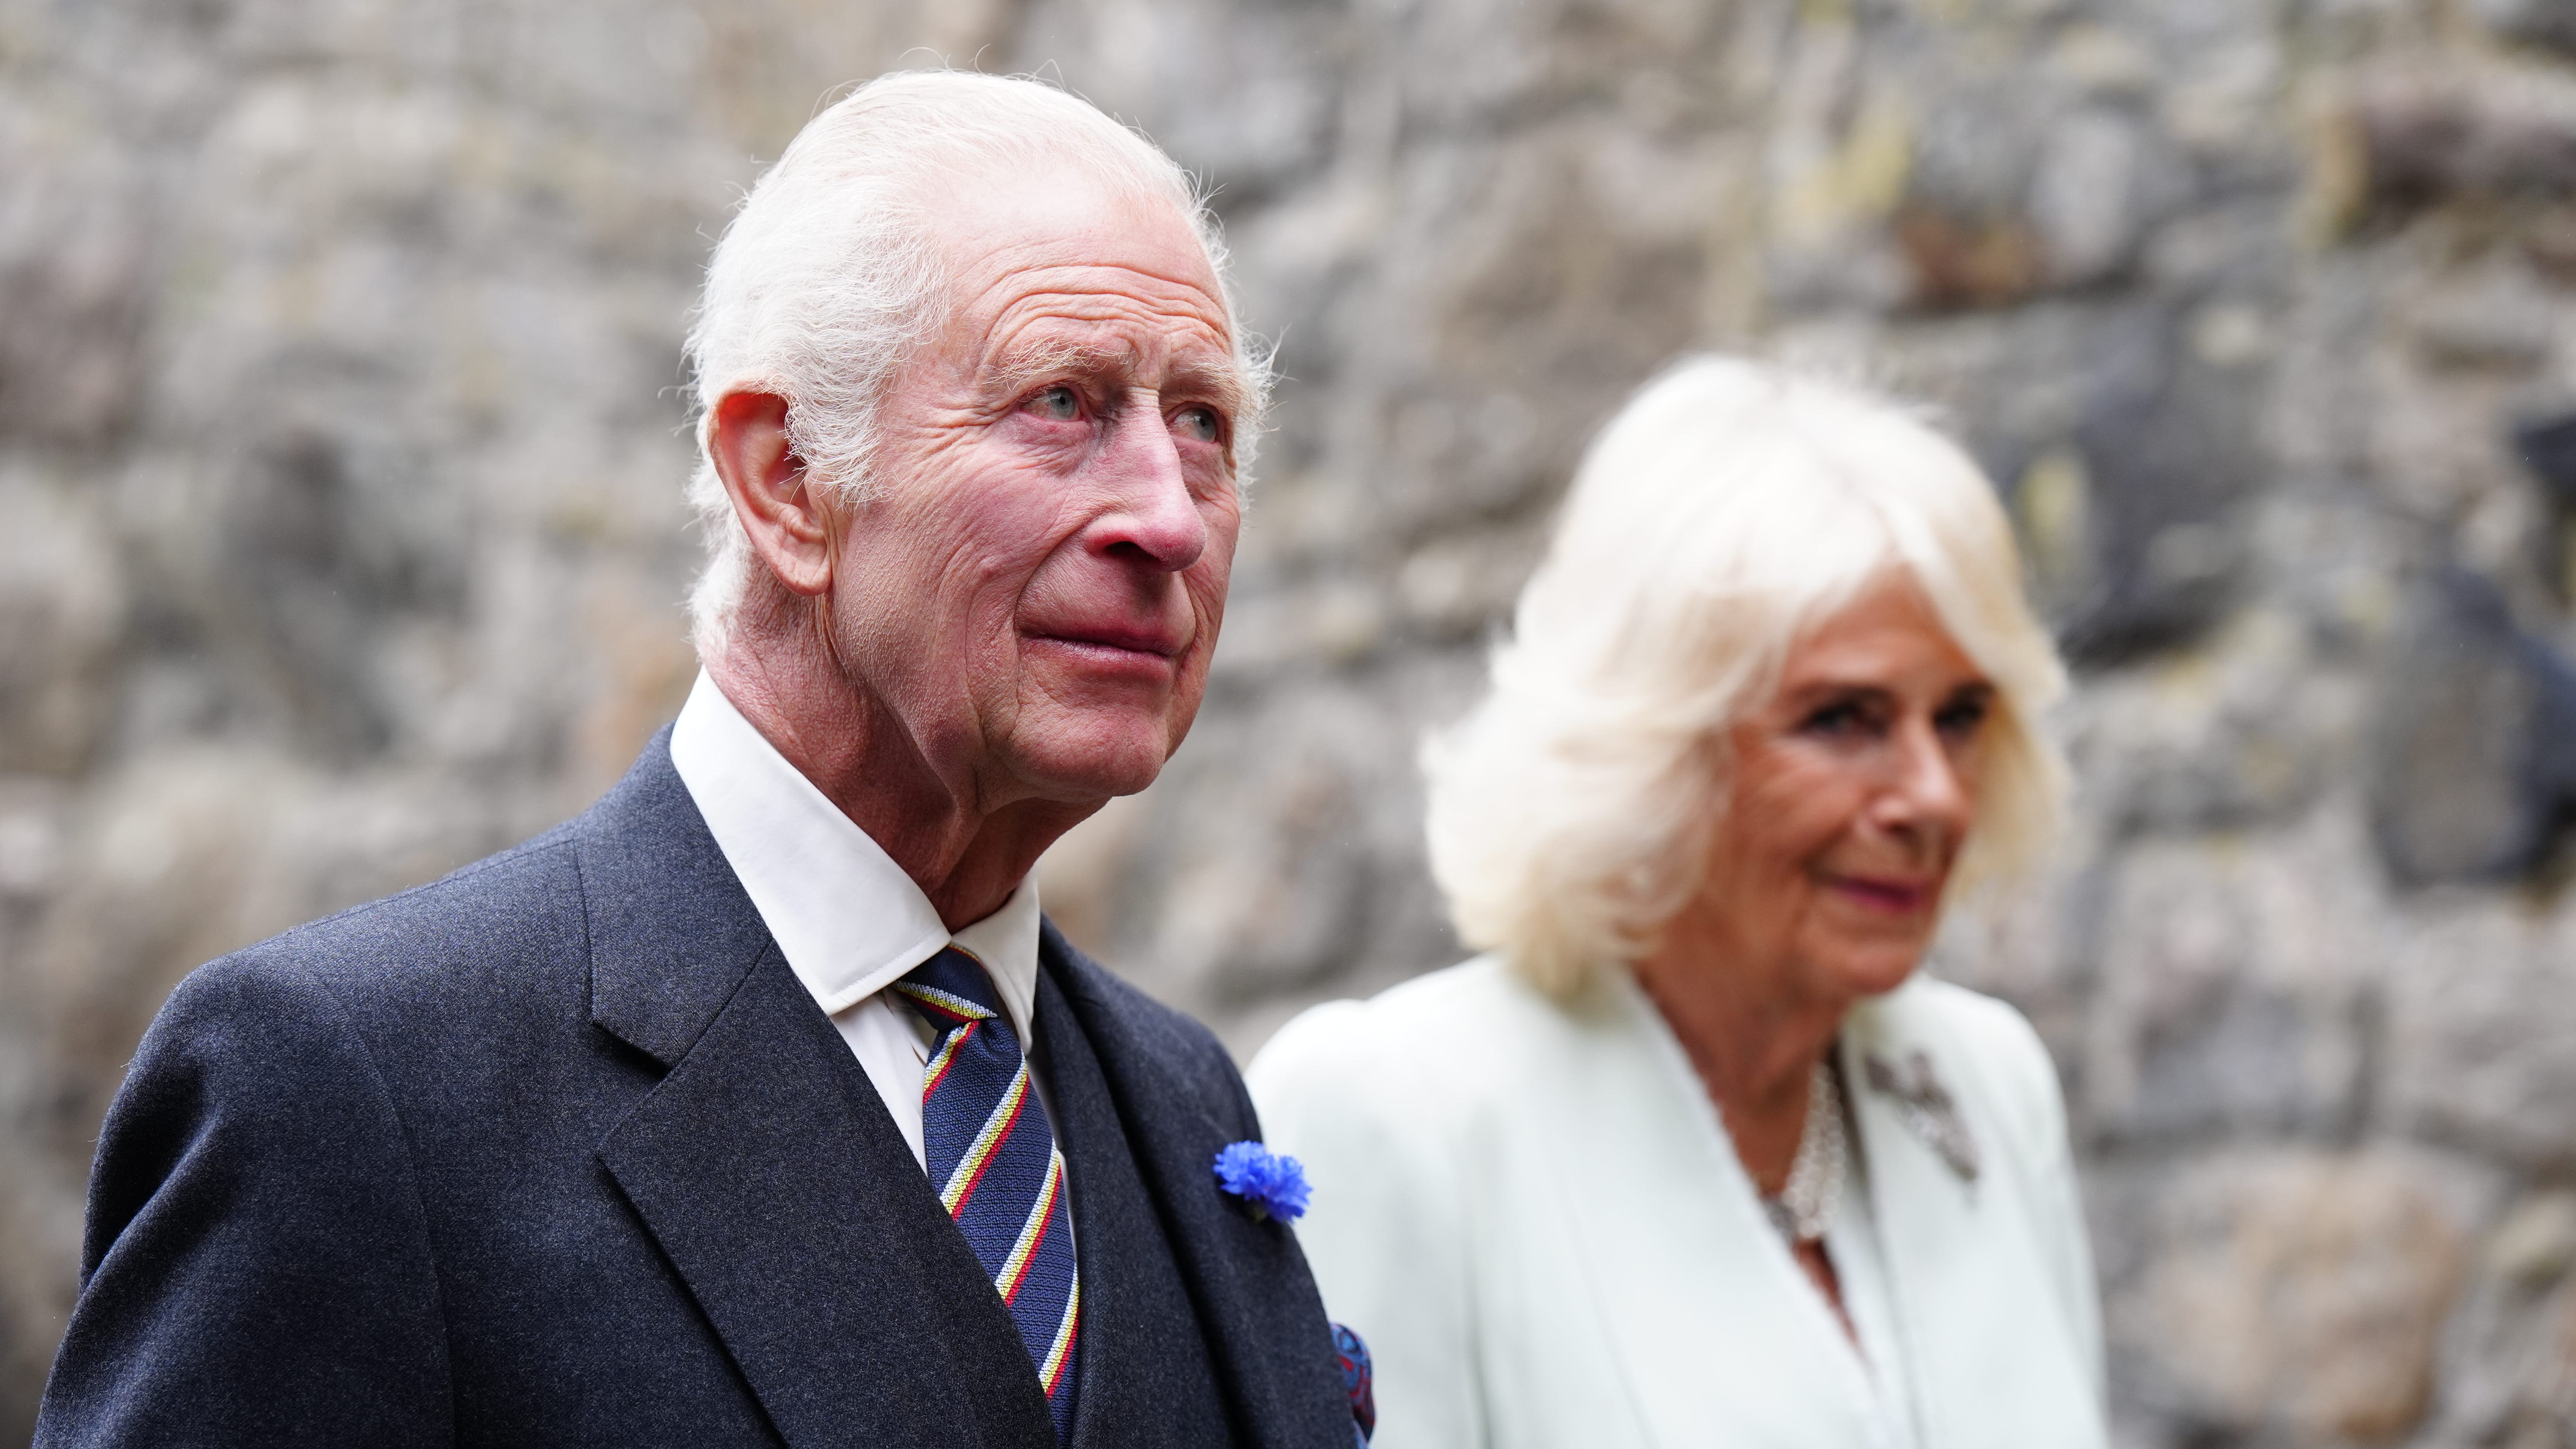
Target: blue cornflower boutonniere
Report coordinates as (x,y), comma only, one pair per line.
(1271,1184)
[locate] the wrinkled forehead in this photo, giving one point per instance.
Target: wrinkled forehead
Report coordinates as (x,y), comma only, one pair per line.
(1037,239)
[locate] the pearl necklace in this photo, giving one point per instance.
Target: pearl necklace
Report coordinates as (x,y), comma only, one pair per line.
(1805,1207)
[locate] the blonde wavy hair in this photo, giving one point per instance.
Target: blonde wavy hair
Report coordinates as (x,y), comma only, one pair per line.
(1730,507)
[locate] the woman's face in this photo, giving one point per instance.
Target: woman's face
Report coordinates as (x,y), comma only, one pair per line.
(1854,787)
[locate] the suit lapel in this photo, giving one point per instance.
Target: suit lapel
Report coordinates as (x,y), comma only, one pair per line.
(1256,1303)
(1710,1318)
(1145,1377)
(767,1170)
(671,932)
(1960,1257)
(1925,1214)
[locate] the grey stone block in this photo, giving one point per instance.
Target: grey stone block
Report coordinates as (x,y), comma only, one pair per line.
(2474,745)
(2481,1031)
(2434,132)
(2295,1296)
(2547,447)
(2171,450)
(2234,996)
(2542,22)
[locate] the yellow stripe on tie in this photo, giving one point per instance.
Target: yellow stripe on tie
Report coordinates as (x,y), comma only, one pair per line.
(947,1001)
(937,1067)
(970,1168)
(1061,1353)
(1016,1266)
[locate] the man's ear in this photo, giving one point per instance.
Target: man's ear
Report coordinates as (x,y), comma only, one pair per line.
(783,512)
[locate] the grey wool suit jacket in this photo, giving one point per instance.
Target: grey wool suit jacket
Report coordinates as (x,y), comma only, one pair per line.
(557,1151)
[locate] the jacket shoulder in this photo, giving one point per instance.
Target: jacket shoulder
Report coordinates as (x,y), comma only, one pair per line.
(1440,1048)
(1452,1017)
(1928,1004)
(529,873)
(459,979)
(255,1216)
(519,906)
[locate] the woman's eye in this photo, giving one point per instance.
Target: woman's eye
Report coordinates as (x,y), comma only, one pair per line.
(1056,404)
(1962,718)
(1840,718)
(1197,423)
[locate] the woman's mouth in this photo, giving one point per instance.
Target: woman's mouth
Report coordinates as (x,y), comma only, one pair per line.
(1886,894)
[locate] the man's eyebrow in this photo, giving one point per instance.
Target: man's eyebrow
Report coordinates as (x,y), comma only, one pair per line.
(1219,382)
(1023,368)
(1056,357)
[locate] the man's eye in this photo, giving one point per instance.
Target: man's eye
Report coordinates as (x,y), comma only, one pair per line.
(1057,404)
(1198,423)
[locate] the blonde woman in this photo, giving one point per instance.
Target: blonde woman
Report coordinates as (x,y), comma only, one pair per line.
(1694,1155)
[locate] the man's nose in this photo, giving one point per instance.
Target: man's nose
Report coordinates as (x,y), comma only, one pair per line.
(1153,519)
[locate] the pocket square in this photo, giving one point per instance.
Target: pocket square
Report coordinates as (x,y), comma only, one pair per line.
(1357,1380)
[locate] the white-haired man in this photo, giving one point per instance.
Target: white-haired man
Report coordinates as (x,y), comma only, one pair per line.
(758,1105)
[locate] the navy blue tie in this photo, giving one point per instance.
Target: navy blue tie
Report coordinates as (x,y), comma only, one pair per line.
(993,1160)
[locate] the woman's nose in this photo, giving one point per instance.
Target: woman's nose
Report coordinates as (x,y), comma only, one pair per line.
(1928,790)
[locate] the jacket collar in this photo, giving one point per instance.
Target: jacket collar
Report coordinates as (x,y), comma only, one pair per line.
(671,931)
(848,919)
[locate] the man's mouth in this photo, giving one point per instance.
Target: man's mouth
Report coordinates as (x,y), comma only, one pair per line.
(1114,643)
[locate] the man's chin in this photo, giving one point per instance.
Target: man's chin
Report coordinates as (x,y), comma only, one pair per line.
(1094,757)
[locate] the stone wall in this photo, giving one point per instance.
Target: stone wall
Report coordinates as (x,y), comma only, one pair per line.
(340,538)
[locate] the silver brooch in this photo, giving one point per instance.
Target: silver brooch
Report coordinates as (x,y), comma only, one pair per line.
(1927,1109)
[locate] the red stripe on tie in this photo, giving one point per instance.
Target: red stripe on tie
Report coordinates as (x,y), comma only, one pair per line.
(930,1002)
(948,1058)
(1009,1124)
(1072,1332)
(1037,1245)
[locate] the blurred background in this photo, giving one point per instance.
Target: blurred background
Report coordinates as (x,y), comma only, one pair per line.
(341,540)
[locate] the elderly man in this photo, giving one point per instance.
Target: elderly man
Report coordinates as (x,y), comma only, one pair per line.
(759,1104)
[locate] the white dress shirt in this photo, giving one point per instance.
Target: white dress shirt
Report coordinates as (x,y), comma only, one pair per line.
(847,918)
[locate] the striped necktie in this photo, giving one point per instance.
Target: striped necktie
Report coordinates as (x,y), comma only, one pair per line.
(993,1159)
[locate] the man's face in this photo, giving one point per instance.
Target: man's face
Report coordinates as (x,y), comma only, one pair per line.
(1033,586)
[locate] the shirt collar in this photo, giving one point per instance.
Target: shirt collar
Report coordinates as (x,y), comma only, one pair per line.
(846,917)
